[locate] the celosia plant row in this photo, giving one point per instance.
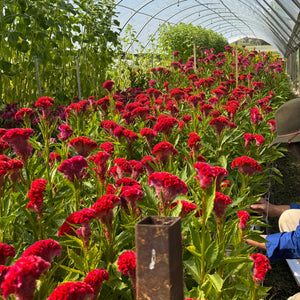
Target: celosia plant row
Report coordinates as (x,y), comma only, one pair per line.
(74,180)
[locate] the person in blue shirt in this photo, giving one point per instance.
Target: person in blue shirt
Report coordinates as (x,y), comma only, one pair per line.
(286,243)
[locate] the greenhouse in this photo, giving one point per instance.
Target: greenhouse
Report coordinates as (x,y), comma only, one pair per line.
(149,149)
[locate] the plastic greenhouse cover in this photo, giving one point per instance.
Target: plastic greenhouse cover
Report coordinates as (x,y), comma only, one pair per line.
(270,20)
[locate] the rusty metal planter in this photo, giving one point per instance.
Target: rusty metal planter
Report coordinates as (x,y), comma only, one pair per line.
(159,259)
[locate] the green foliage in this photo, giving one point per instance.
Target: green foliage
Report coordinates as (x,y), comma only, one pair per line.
(55,32)
(180,37)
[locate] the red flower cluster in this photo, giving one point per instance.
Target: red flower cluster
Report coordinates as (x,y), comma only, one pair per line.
(127,263)
(165,125)
(219,124)
(108,147)
(246,165)
(249,137)
(163,151)
(5,251)
(261,267)
(73,167)
(83,145)
(194,142)
(109,126)
(123,167)
(137,168)
(256,116)
(36,196)
(244,216)
(132,194)
(3,146)
(220,204)
(65,132)
(95,279)
(148,164)
(100,160)
(45,103)
(187,207)
(23,113)
(108,85)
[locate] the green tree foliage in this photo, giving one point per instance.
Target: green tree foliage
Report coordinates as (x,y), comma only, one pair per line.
(181,37)
(55,31)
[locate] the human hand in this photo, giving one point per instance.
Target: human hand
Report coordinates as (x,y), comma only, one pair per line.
(257,244)
(263,207)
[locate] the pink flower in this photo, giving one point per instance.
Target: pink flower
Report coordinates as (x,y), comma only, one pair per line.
(261,267)
(73,291)
(248,139)
(95,278)
(205,175)
(5,251)
(256,116)
(65,132)
(45,103)
(272,125)
(100,159)
(36,196)
(187,207)
(244,216)
(45,249)
(18,139)
(21,278)
(220,204)
(108,85)
(123,167)
(131,195)
(167,186)
(259,139)
(73,167)
(83,145)
(14,167)
(152,83)
(163,151)
(246,165)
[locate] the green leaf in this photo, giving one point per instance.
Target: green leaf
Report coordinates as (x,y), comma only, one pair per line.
(212,253)
(13,37)
(216,281)
(210,202)
(77,259)
(191,265)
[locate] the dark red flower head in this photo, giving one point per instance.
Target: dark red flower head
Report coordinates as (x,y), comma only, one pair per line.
(65,132)
(220,204)
(108,85)
(261,267)
(127,263)
(6,251)
(83,145)
(36,196)
(74,167)
(95,278)
(163,151)
(244,216)
(246,165)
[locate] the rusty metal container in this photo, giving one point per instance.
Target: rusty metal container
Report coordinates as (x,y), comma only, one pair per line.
(159,259)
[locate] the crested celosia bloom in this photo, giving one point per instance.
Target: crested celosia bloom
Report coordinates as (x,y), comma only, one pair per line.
(165,125)
(141,112)
(194,142)
(167,186)
(23,113)
(130,136)
(206,109)
(45,249)
(54,157)
(244,216)
(272,124)
(109,126)
(258,84)
(73,167)
(3,172)
(261,267)
(103,104)
(83,145)
(220,204)
(123,166)
(256,116)
(206,175)
(73,291)
(248,139)
(163,151)
(18,139)
(3,271)
(126,181)
(20,279)
(95,278)
(231,106)
(108,85)
(219,124)
(187,207)
(65,132)
(259,139)
(148,163)
(127,263)
(194,100)
(45,103)
(100,159)
(131,195)
(83,218)
(137,168)
(108,147)
(3,146)
(246,165)
(149,134)
(2,132)
(36,196)
(5,251)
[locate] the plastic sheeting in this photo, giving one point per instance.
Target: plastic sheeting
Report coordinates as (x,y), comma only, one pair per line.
(275,21)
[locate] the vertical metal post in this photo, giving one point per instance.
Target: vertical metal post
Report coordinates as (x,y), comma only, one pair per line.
(298,64)
(152,60)
(236,65)
(78,78)
(37,75)
(159,259)
(195,66)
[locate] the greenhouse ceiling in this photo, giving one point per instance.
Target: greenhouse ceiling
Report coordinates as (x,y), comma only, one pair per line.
(275,21)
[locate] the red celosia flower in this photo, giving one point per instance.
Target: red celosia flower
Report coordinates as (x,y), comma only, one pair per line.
(21,278)
(73,291)
(131,195)
(220,173)
(126,181)
(259,139)
(186,118)
(103,104)
(244,216)
(137,168)
(3,271)
(258,84)
(194,142)
(272,125)
(18,139)
(246,165)
(177,94)
(187,207)
(149,134)
(141,112)
(130,136)
(123,166)
(5,251)
(3,146)
(219,124)
(95,279)
(108,147)
(108,85)
(83,145)
(172,108)
(148,163)
(45,249)
(127,263)
(45,103)
(205,175)
(248,139)
(194,100)
(109,126)
(215,114)
(163,151)
(231,106)
(54,157)
(3,172)
(261,267)
(73,167)
(100,159)
(206,109)
(23,112)
(2,132)
(65,132)
(36,196)
(170,186)
(255,115)
(220,204)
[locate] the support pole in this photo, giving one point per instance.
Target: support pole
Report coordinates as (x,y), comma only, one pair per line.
(78,78)
(159,259)
(236,65)
(37,75)
(195,61)
(298,64)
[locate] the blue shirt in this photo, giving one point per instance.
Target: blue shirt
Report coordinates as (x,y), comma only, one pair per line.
(284,245)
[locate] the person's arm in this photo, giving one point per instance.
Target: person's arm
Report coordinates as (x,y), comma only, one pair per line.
(257,244)
(263,207)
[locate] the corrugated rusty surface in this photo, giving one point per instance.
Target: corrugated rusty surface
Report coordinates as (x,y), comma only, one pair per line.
(159,259)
